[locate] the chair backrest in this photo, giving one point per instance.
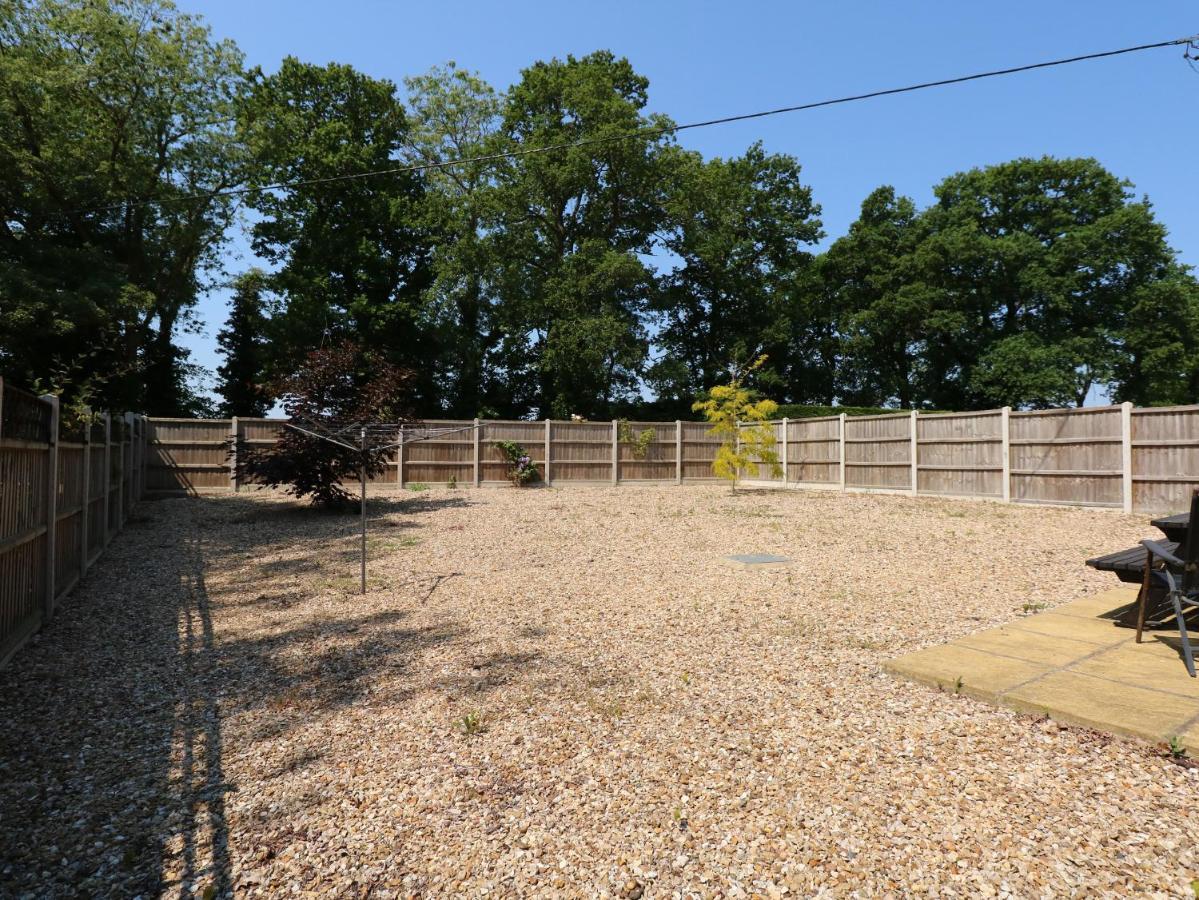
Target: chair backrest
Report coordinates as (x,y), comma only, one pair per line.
(1189,551)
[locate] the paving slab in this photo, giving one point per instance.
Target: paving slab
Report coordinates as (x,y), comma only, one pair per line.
(1073,664)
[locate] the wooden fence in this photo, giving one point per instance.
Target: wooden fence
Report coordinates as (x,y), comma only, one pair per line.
(191,456)
(64,495)
(64,492)
(1142,460)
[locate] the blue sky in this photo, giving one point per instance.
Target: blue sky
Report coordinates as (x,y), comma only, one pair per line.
(1136,114)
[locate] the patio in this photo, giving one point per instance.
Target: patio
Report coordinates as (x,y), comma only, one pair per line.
(1071,664)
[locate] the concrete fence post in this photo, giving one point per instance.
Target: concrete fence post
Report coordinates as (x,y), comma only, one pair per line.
(549,447)
(234,434)
(400,461)
(51,507)
(1126,454)
(120,482)
(615,451)
(1005,436)
(86,514)
(841,449)
(477,460)
(786,440)
(678,451)
(915,454)
(107,478)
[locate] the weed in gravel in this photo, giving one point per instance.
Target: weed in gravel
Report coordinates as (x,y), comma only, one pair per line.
(418,486)
(1033,607)
(1177,750)
(472,723)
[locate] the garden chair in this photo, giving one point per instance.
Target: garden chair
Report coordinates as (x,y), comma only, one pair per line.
(1181,576)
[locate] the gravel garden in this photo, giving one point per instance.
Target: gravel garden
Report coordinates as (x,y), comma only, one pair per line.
(568,692)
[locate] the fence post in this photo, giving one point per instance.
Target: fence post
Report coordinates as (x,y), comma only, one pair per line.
(233,436)
(678,451)
(477,458)
(51,507)
(1126,453)
(399,460)
(615,452)
(841,447)
(107,477)
(86,514)
(120,483)
(785,442)
(548,448)
(1005,434)
(915,455)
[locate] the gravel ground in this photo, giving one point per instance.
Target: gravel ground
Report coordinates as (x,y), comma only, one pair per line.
(566,692)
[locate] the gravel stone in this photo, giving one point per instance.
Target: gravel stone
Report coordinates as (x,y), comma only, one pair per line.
(568,692)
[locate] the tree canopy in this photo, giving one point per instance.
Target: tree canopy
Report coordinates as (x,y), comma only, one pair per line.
(585,264)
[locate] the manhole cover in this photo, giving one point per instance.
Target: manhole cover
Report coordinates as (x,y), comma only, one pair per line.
(757,560)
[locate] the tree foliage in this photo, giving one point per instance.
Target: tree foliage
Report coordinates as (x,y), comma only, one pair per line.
(242,344)
(351,254)
(336,387)
(594,276)
(110,113)
(740,418)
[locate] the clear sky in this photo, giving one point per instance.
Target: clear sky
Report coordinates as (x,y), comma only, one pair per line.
(1137,114)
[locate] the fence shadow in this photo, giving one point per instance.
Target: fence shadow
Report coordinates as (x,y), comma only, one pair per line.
(112,755)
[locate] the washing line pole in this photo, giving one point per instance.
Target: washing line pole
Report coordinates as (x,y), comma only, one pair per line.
(362,479)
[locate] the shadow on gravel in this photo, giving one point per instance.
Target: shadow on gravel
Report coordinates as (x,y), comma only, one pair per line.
(112,749)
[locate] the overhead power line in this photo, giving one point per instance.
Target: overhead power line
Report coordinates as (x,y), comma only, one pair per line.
(1190,43)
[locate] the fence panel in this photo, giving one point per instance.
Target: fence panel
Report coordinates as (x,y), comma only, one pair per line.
(187,455)
(878,452)
(960,454)
(1165,457)
(699,451)
(654,461)
(813,450)
(581,451)
(1068,456)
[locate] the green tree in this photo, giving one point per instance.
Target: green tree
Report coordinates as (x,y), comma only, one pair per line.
(454,114)
(351,254)
(740,418)
(1038,263)
(880,302)
(739,228)
(115,143)
(242,343)
(571,227)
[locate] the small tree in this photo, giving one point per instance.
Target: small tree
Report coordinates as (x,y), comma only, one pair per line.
(341,386)
(728,405)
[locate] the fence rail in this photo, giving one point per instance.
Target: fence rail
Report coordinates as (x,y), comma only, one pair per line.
(65,491)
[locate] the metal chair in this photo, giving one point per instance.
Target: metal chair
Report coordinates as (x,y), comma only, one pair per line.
(1181,576)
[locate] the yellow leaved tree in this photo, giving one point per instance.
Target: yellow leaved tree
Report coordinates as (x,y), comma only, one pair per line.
(742,422)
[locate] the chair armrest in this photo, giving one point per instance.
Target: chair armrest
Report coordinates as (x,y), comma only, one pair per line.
(1156,549)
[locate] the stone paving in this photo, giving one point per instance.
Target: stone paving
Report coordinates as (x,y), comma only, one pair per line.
(1074,665)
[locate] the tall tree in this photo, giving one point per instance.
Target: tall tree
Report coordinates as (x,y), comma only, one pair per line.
(1039,262)
(455,115)
(351,253)
(115,143)
(571,228)
(739,228)
(242,343)
(880,303)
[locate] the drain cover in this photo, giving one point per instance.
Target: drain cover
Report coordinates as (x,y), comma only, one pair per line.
(757,560)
